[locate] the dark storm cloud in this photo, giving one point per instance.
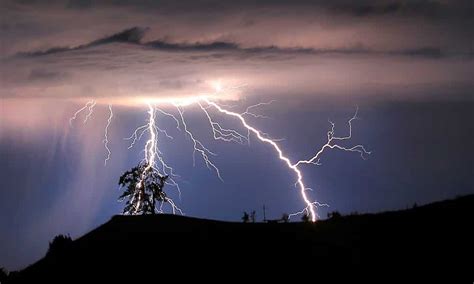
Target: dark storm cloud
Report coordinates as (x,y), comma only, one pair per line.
(431,52)
(28,26)
(427,9)
(132,46)
(423,8)
(132,35)
(430,9)
(135,34)
(124,64)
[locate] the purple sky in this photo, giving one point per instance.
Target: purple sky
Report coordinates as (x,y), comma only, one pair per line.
(408,65)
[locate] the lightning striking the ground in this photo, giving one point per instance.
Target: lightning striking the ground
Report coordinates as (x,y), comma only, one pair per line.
(153,157)
(310,205)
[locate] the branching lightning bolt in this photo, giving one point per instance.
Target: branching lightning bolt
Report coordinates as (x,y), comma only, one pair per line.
(275,146)
(220,133)
(248,112)
(330,145)
(310,205)
(91,110)
(169,115)
(135,136)
(198,146)
(153,158)
(87,105)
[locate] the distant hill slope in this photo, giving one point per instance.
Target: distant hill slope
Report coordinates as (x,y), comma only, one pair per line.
(432,237)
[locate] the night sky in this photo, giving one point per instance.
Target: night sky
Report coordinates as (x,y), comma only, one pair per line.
(407,65)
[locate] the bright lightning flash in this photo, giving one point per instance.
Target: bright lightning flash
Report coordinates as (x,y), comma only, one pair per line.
(106,132)
(310,205)
(153,158)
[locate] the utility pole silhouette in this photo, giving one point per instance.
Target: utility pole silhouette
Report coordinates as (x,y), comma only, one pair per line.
(264,215)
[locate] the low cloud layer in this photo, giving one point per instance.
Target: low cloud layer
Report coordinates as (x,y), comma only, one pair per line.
(71,49)
(124,64)
(134,36)
(378,25)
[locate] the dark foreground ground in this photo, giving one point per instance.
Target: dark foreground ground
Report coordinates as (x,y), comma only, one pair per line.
(431,240)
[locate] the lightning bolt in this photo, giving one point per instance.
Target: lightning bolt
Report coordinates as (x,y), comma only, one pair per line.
(90,107)
(275,146)
(106,138)
(91,110)
(153,158)
(310,205)
(87,105)
(330,145)
(248,112)
(220,133)
(198,146)
(170,115)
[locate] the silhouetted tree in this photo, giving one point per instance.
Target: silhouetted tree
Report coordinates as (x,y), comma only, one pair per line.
(3,275)
(285,218)
(305,218)
(246,217)
(253,216)
(143,186)
(334,215)
(59,244)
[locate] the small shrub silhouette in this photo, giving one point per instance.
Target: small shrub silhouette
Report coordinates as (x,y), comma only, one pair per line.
(305,218)
(334,215)
(246,217)
(253,216)
(59,244)
(3,275)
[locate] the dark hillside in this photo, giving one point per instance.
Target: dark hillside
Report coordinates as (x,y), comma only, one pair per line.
(425,238)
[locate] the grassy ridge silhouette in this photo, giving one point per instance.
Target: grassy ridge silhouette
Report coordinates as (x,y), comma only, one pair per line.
(437,235)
